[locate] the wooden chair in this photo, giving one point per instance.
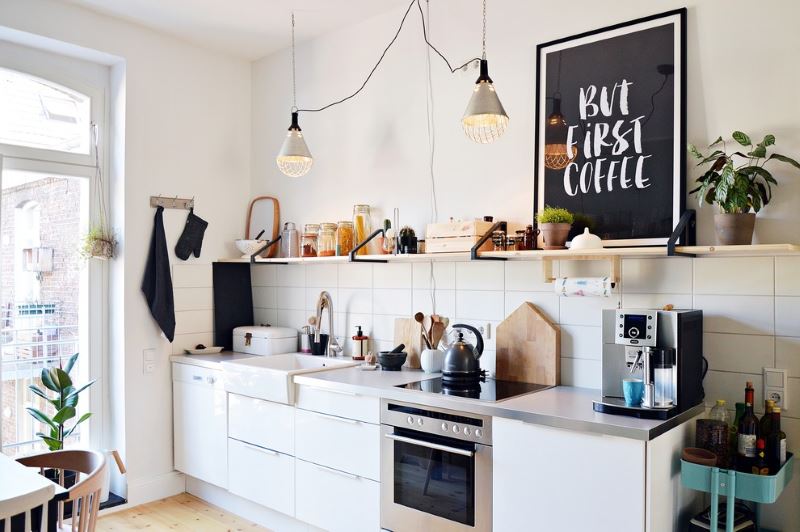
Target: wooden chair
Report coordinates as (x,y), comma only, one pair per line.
(85,493)
(23,505)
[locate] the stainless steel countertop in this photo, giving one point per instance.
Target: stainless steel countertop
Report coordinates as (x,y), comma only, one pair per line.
(563,407)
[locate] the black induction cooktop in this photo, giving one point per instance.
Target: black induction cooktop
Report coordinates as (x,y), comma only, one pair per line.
(488,390)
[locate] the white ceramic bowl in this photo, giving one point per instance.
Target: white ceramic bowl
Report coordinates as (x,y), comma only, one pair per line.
(248,247)
(586,240)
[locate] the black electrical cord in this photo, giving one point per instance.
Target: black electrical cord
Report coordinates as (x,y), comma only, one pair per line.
(385,50)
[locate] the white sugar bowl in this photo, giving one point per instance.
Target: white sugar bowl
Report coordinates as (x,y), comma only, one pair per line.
(586,240)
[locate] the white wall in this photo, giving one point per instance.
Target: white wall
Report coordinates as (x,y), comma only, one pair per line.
(186,132)
(373,149)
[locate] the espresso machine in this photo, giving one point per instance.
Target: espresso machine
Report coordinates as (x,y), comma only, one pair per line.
(662,348)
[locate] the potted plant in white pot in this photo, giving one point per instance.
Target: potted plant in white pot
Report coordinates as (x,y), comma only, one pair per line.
(738,184)
(554,224)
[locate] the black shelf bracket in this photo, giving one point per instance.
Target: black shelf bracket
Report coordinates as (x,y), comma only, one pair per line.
(473,254)
(685,233)
(354,252)
(261,250)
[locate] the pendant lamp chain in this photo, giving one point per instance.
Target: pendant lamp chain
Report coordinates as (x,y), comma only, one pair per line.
(484,31)
(294,71)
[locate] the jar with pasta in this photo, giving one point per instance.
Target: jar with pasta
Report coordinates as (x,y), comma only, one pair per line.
(363,226)
(326,242)
(345,238)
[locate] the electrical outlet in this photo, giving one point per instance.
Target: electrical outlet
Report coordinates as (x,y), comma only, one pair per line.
(775,386)
(149,361)
(485,330)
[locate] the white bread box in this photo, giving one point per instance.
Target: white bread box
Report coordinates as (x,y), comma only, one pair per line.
(264,340)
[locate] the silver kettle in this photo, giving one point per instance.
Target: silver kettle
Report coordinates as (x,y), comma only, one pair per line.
(461,358)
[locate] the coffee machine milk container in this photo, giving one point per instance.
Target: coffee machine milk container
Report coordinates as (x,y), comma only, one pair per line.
(663,348)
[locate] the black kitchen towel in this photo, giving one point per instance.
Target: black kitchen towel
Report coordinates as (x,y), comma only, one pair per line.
(157,282)
(192,237)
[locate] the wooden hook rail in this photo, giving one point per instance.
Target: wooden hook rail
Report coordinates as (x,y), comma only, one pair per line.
(172,202)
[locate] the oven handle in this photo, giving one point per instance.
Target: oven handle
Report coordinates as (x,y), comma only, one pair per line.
(431,445)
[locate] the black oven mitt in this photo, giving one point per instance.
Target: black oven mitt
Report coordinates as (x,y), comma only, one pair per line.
(191,239)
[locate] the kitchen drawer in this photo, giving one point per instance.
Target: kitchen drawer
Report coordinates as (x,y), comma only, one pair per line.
(262,423)
(261,475)
(197,375)
(344,444)
(336,501)
(339,403)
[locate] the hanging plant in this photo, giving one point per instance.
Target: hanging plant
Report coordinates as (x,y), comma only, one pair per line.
(99,241)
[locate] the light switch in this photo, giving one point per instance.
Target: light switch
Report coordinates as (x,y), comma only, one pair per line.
(149,361)
(774,378)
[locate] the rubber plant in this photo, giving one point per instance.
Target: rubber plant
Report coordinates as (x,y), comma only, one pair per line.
(65,403)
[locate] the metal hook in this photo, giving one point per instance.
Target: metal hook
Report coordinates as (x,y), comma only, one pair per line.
(174,200)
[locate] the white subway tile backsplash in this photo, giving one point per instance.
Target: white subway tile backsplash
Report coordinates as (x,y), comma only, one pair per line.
(583,268)
(322,275)
(295,319)
(480,304)
(444,275)
(739,352)
(787,316)
(356,300)
(193,298)
(578,341)
(393,275)
(526,276)
(489,340)
(264,297)
(194,321)
(355,275)
(345,324)
(657,276)
(734,276)
(312,297)
(293,275)
(787,355)
(787,276)
(737,314)
(580,373)
(191,276)
(584,310)
(730,386)
(383,328)
(547,302)
(394,301)
(290,298)
(657,301)
(793,396)
(263,274)
(190,340)
(265,316)
(445,302)
(481,275)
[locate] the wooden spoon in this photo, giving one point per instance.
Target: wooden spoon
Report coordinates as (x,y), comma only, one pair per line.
(437,332)
(419,317)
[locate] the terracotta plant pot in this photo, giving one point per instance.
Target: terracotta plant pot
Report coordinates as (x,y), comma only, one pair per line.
(735,229)
(554,236)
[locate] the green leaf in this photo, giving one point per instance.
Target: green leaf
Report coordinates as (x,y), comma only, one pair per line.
(717,166)
(41,416)
(47,380)
(694,151)
(719,140)
(75,426)
(784,159)
(757,171)
(61,378)
(769,140)
(765,195)
(64,414)
(758,152)
(711,157)
(741,138)
(74,393)
(52,443)
(70,363)
(39,392)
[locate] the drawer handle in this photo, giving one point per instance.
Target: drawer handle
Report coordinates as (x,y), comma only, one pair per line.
(431,445)
(197,378)
(336,471)
(260,449)
(337,418)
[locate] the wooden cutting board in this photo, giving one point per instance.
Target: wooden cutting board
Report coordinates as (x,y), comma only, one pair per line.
(408,331)
(528,347)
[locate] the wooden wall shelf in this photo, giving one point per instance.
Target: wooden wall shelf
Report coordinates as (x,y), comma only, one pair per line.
(755,250)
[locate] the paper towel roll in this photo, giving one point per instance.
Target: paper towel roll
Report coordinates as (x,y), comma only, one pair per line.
(583,286)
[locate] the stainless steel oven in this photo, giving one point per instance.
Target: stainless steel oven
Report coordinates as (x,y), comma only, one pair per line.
(436,469)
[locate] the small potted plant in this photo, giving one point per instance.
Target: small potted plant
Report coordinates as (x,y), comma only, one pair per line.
(98,243)
(738,184)
(554,224)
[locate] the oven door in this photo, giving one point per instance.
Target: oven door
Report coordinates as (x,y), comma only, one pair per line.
(430,482)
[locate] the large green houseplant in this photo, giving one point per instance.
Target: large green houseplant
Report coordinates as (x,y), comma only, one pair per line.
(64,403)
(738,183)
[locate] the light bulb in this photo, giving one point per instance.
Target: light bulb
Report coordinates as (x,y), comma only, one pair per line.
(556,154)
(294,159)
(485,120)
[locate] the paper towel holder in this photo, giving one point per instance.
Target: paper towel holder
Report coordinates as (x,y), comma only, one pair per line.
(614,266)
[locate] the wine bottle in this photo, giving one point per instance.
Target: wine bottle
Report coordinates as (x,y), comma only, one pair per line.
(764,427)
(759,465)
(776,443)
(747,433)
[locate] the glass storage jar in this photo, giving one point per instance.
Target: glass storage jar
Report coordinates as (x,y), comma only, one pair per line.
(308,245)
(345,238)
(362,225)
(326,243)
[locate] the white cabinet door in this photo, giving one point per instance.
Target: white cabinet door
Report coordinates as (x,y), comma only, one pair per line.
(200,424)
(261,475)
(554,479)
(262,423)
(339,403)
(336,501)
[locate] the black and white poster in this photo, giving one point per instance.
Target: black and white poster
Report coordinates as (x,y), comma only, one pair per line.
(610,129)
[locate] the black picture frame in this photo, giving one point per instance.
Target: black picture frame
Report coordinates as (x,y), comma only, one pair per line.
(637,217)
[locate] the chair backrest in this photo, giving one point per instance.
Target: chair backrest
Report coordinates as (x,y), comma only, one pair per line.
(23,505)
(85,493)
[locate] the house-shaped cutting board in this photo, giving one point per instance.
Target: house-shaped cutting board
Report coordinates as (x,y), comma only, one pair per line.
(528,347)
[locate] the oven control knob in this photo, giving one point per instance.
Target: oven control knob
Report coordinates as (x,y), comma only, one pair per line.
(410,420)
(419,421)
(467,431)
(478,433)
(444,426)
(456,429)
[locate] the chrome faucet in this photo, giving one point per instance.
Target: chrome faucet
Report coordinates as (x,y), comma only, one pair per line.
(323,302)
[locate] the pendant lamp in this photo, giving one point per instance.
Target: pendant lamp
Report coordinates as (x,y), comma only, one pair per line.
(294,159)
(556,154)
(485,120)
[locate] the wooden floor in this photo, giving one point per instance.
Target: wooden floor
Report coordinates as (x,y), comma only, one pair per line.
(181,512)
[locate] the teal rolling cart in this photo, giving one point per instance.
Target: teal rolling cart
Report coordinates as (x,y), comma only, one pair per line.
(764,489)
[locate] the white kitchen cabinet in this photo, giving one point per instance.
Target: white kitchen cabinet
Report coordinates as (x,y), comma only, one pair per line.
(200,423)
(334,500)
(261,475)
(262,423)
(555,479)
(339,403)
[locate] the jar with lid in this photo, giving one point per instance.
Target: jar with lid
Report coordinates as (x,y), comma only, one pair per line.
(344,238)
(363,226)
(499,240)
(326,242)
(308,244)
(519,240)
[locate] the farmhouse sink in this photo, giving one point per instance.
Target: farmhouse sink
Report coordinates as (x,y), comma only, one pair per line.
(271,377)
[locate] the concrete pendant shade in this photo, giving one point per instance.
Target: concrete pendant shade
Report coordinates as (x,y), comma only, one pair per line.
(294,159)
(485,120)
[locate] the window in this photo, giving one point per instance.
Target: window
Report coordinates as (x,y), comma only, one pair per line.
(46,173)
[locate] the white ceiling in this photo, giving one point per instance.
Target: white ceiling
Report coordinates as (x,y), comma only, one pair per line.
(248,28)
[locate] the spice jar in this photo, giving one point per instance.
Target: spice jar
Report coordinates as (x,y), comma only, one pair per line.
(362,225)
(519,240)
(530,237)
(308,245)
(499,240)
(326,242)
(344,238)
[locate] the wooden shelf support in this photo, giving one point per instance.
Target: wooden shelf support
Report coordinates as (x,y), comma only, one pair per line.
(614,273)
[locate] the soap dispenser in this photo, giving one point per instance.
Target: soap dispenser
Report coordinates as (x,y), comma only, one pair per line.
(360,344)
